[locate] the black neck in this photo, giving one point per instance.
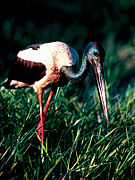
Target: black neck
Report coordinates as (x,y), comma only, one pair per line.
(75,77)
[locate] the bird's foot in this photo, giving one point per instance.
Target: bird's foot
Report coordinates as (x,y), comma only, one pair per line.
(40,130)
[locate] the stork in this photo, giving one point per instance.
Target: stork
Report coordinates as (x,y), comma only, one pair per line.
(51,65)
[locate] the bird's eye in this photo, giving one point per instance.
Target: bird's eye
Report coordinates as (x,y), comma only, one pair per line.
(95,53)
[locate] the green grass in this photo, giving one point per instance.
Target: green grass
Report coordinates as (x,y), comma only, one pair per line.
(78,144)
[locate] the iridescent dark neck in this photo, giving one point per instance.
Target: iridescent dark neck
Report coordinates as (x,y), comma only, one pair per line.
(76,77)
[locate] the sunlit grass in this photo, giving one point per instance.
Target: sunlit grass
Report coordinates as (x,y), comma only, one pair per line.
(77,145)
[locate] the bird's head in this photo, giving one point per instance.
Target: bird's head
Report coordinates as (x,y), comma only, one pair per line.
(95,54)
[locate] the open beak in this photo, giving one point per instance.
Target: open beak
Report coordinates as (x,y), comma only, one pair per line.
(99,74)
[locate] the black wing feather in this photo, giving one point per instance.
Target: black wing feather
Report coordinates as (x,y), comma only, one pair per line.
(27,71)
(34,46)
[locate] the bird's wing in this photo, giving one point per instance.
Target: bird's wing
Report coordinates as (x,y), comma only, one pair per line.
(35,53)
(50,54)
(27,71)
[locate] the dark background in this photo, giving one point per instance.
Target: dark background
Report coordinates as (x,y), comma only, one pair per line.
(74,22)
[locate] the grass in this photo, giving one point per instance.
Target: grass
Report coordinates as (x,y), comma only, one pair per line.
(78,145)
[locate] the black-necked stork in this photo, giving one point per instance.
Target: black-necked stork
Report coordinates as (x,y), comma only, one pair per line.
(51,64)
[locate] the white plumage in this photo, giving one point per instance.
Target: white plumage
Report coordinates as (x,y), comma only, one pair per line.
(50,54)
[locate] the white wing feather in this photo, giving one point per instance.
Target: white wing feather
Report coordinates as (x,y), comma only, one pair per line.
(50,54)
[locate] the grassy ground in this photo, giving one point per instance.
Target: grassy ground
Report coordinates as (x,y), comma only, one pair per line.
(78,145)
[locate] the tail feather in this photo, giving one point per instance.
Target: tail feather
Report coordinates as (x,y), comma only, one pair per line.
(13,84)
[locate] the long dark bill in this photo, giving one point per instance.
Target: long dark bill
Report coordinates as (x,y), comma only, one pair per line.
(99,74)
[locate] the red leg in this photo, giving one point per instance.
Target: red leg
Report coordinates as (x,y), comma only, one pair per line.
(40,127)
(48,103)
(43,114)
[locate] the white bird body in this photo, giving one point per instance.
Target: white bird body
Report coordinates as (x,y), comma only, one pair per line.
(55,53)
(53,56)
